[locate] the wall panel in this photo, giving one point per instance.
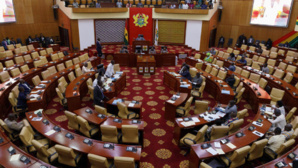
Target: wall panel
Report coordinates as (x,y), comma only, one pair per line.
(171,31)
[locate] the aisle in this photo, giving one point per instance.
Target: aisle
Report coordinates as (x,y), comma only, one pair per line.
(160,151)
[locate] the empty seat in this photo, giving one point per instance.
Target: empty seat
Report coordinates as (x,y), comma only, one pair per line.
(54,57)
(87,129)
(242,113)
(237,158)
(266,52)
(98,161)
(220,63)
(214,71)
(36,80)
(218,132)
(72,120)
(35,55)
(4,76)
(288,78)
(43,52)
(37,63)
(279,73)
(116,68)
(282,66)
(263,83)
(201,107)
(9,63)
(75,60)
(199,92)
(68,63)
(257,149)
(24,68)
(52,70)
(78,72)
(60,55)
(190,139)
(238,70)
(45,74)
(60,67)
(46,155)
(198,56)
(124,113)
(290,115)
(44,60)
(49,50)
(63,81)
(255,65)
(276,95)
(109,133)
(273,55)
(26,137)
(19,60)
(289,58)
(281,52)
(245,73)
(271,62)
(235,126)
(208,68)
(15,72)
(291,68)
(254,77)
(30,47)
(130,134)
(255,58)
(61,97)
(8,53)
(67,156)
(238,97)
(23,49)
(184,110)
(71,77)
(229,50)
(262,60)
(102,110)
(124,162)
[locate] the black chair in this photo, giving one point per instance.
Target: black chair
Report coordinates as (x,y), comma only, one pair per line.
(230,42)
(19,41)
(75,49)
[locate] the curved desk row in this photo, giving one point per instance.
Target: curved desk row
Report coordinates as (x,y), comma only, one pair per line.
(20,54)
(284,158)
(77,143)
(5,157)
(5,89)
(198,154)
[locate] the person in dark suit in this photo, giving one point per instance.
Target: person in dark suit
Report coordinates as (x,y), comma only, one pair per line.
(29,40)
(22,99)
(19,41)
(98,47)
(12,41)
(251,40)
(231,80)
(37,38)
(185,73)
(4,44)
(98,94)
(221,41)
(269,44)
(25,85)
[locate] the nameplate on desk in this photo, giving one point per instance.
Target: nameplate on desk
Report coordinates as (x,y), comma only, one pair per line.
(281,164)
(136,121)
(251,128)
(61,73)
(131,149)
(88,111)
(292,156)
(258,93)
(55,77)
(225,91)
(135,102)
(1,140)
(117,120)
(83,78)
(25,159)
(7,84)
(108,146)
(46,122)
(11,150)
(258,133)
(88,142)
(57,128)
(69,136)
(78,83)
(39,114)
(224,141)
(75,93)
(68,70)
(205,146)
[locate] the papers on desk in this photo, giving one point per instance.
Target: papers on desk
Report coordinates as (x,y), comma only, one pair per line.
(217,144)
(37,111)
(179,119)
(221,114)
(211,151)
(14,157)
(117,76)
(257,124)
(195,119)
(40,86)
(116,101)
(37,119)
(171,101)
(220,151)
(131,104)
(267,75)
(230,145)
(220,81)
(119,72)
(34,95)
(188,123)
(176,96)
(107,87)
(44,82)
(185,86)
(50,132)
(225,91)
(258,133)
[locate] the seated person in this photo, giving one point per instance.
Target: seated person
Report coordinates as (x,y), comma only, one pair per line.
(124,49)
(99,77)
(173,6)
(244,54)
(212,51)
(85,68)
(25,85)
(232,67)
(181,69)
(242,61)
(128,5)
(197,6)
(140,5)
(233,118)
(100,69)
(164,50)
(152,50)
(231,80)
(279,121)
(204,6)
(264,68)
(259,50)
(98,93)
(276,140)
(22,99)
(13,124)
(140,37)
(119,4)
(97,5)
(208,57)
(232,57)
(185,73)
(197,81)
(191,6)
(281,107)
(288,131)
(229,109)
(286,45)
(75,4)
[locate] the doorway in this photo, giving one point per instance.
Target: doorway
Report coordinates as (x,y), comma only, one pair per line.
(64,37)
(212,38)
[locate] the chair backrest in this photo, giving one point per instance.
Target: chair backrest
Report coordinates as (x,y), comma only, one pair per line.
(9,63)
(42,152)
(2,49)
(237,81)
(19,60)
(200,137)
(273,49)
(78,72)
(229,50)
(130,134)
(222,74)
(63,81)
(279,73)
(84,126)
(4,76)
(249,61)
(60,54)
(282,66)
(220,63)
(254,77)
(37,63)
(198,56)
(98,161)
(281,52)
(12,99)
(218,132)
(238,156)
(242,113)
(109,133)
(291,114)
(8,53)
(199,65)
(263,83)
(252,48)
(214,71)
(30,47)
(255,65)
(17,50)
(35,55)
(266,52)
(44,59)
(5,127)
(273,55)
(18,45)
(291,68)
(238,70)
(288,78)
(24,68)
(271,62)
(289,58)
(49,50)
(255,58)
(101,110)
(245,73)
(61,87)
(201,107)
(116,67)
(285,147)
(294,122)
(54,57)
(257,149)
(72,120)
(36,80)
(15,72)
(276,94)
(43,52)
(45,74)
(193,72)
(235,126)
(15,91)
(124,162)
(262,60)
(243,47)
(52,70)
(208,68)
(66,155)
(76,60)
(23,49)
(1,66)
(26,137)
(71,76)
(239,87)
(10,47)
(68,63)
(123,111)
(60,67)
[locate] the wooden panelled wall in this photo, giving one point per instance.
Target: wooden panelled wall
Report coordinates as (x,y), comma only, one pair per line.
(207,26)
(235,21)
(33,17)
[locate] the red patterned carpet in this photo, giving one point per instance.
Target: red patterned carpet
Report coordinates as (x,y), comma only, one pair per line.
(159,150)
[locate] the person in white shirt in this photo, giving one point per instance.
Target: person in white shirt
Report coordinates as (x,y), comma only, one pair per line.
(13,124)
(281,107)
(280,120)
(85,68)
(110,69)
(99,77)
(277,140)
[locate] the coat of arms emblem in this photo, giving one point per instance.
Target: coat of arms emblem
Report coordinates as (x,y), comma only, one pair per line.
(140,20)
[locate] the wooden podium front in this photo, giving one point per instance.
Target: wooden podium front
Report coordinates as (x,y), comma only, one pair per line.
(146,64)
(144,45)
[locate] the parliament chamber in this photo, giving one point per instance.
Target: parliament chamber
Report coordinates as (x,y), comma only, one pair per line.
(149,83)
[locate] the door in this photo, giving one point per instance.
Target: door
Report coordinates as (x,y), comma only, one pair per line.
(64,37)
(212,38)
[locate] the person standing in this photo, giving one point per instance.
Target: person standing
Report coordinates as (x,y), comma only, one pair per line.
(98,47)
(221,41)
(98,94)
(110,69)
(4,44)
(25,85)
(251,40)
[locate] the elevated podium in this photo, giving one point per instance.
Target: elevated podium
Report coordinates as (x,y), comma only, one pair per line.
(146,64)
(144,45)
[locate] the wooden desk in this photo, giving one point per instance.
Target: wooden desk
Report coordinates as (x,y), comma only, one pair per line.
(35,44)
(197,154)
(78,144)
(170,108)
(113,109)
(284,158)
(5,106)
(173,81)
(146,64)
(93,118)
(56,47)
